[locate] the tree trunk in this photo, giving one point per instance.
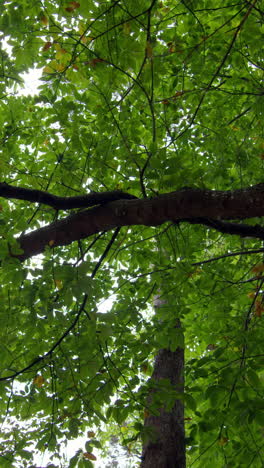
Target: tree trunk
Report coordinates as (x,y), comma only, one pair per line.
(168,448)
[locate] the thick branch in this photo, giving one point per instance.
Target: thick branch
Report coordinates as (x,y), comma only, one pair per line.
(186,204)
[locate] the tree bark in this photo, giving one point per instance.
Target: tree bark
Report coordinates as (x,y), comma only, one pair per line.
(168,448)
(185,204)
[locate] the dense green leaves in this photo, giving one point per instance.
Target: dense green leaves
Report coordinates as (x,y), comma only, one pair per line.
(144,97)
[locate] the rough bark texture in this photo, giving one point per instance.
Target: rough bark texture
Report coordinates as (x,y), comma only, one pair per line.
(185,204)
(168,450)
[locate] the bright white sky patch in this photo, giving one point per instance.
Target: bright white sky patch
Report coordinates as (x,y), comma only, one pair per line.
(31,82)
(31,78)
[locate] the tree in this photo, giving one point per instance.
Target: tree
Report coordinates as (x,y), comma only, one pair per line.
(135,171)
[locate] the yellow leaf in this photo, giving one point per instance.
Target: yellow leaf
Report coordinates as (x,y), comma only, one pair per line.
(259,307)
(48,69)
(60,67)
(144,368)
(44,20)
(211,347)
(60,53)
(251,294)
(38,381)
(178,94)
(222,441)
(89,456)
(195,272)
(126,28)
(146,413)
(72,6)
(259,268)
(91,434)
(51,242)
(47,45)
(58,283)
(149,50)
(94,62)
(82,29)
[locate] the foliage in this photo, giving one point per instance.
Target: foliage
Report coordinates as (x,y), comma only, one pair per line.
(145,97)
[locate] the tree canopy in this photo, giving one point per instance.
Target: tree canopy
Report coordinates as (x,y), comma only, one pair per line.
(133,176)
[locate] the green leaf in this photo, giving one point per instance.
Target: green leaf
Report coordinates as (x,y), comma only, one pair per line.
(253,378)
(100,298)
(190,401)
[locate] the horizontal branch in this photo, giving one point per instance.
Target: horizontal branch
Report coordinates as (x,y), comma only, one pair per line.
(242,230)
(61,203)
(184,204)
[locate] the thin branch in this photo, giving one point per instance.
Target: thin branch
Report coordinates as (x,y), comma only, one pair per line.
(231,254)
(108,247)
(52,349)
(220,66)
(61,203)
(239,115)
(71,327)
(242,230)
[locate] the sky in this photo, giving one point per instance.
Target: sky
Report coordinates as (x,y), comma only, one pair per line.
(31,82)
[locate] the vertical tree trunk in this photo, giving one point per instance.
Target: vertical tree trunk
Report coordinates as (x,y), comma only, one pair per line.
(168,449)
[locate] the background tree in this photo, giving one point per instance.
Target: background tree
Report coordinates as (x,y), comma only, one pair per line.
(138,99)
